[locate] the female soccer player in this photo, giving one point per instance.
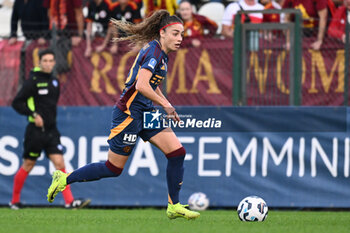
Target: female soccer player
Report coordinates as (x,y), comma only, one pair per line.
(162,34)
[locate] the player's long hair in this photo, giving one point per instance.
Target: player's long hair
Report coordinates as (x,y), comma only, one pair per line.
(147,30)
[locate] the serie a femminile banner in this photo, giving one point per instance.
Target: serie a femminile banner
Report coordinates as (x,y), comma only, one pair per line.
(290,156)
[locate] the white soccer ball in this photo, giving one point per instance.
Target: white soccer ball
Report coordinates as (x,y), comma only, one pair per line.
(252,209)
(198,201)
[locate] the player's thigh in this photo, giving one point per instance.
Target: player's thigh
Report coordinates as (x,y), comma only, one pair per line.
(117,160)
(53,142)
(57,160)
(124,133)
(166,141)
(28,164)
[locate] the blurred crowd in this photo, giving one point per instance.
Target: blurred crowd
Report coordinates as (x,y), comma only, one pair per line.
(89,19)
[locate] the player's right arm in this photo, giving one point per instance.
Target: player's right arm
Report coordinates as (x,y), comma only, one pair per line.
(143,86)
(20,103)
(146,90)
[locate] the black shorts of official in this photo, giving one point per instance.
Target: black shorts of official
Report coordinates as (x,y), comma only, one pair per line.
(36,139)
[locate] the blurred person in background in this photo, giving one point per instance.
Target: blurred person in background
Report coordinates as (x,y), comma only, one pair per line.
(38,99)
(273,18)
(34,20)
(195,26)
(68,17)
(315,15)
(98,16)
(154,5)
(126,11)
(338,3)
(232,9)
(112,3)
(337,27)
(273,5)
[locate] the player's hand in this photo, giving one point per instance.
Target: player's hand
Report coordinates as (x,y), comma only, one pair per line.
(87,51)
(76,40)
(196,43)
(288,46)
(316,45)
(171,113)
(41,41)
(38,120)
(343,38)
(12,40)
(114,49)
(100,48)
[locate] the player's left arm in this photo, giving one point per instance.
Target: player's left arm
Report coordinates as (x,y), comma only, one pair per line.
(321,29)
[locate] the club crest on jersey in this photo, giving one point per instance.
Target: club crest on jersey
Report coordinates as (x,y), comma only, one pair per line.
(164,66)
(152,63)
(55,83)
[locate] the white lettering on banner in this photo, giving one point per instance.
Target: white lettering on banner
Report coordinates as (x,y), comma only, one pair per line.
(301,157)
(313,153)
(286,149)
(188,140)
(252,149)
(82,159)
(98,155)
(39,170)
(9,156)
(316,147)
(346,158)
(202,156)
(68,155)
(147,162)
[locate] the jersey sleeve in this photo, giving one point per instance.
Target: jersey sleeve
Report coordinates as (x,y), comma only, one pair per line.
(20,101)
(151,58)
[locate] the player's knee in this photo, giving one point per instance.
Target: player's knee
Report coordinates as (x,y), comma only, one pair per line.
(181,152)
(116,170)
(28,165)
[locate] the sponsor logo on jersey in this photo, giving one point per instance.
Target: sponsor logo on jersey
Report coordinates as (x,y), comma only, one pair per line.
(129,139)
(55,83)
(43,91)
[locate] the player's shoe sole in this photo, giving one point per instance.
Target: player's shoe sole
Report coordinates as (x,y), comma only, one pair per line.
(59,183)
(180,211)
(78,204)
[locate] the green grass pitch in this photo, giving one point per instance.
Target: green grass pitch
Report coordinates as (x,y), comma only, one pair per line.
(154,220)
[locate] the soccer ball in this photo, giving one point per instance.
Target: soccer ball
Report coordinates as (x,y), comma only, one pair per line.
(252,209)
(198,201)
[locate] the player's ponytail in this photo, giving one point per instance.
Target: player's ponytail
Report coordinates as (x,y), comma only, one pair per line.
(146,31)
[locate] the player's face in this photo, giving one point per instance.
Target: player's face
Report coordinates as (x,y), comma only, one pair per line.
(185,10)
(47,63)
(172,37)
